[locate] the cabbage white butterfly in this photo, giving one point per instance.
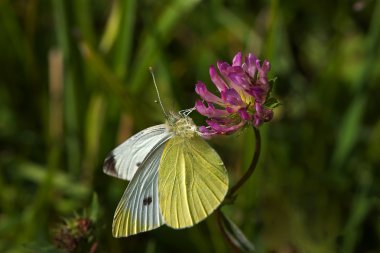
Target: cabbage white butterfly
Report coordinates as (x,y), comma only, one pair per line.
(176,177)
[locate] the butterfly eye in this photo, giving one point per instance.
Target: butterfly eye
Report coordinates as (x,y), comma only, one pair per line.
(138,164)
(147,201)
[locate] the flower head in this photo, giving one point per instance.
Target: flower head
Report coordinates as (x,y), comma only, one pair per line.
(74,234)
(244,89)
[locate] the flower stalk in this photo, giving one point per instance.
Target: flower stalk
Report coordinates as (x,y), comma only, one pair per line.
(252,167)
(231,195)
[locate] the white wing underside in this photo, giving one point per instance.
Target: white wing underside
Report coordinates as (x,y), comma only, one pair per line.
(125,159)
(138,210)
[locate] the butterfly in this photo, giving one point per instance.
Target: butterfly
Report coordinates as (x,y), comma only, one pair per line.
(176,177)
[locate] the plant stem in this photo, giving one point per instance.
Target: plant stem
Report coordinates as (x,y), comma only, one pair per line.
(231,194)
(251,169)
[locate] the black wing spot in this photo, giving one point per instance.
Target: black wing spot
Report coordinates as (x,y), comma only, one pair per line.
(138,164)
(147,201)
(109,165)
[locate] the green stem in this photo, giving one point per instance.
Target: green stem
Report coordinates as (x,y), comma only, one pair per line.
(251,169)
(231,194)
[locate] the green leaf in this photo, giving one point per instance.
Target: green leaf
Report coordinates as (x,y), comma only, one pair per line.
(112,28)
(94,211)
(272,82)
(236,236)
(272,103)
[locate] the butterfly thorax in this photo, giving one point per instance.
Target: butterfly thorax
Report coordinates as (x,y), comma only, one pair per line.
(181,126)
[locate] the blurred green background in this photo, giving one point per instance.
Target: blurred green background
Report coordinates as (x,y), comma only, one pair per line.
(74,82)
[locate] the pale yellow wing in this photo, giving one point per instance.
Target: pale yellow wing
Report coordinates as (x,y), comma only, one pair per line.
(192,181)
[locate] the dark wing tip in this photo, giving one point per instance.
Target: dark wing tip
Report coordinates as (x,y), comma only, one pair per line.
(109,165)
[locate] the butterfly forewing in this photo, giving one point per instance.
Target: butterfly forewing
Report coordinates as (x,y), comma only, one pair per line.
(124,160)
(138,210)
(192,181)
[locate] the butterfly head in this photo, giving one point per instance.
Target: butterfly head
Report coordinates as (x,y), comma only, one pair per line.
(181,125)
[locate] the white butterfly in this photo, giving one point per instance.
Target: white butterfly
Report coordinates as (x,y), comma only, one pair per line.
(176,178)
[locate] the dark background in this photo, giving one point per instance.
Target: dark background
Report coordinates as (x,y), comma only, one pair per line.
(74,82)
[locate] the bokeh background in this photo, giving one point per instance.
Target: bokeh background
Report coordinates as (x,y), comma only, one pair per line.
(74,82)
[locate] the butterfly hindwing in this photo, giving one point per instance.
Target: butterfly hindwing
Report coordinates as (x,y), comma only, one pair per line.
(192,181)
(124,160)
(138,210)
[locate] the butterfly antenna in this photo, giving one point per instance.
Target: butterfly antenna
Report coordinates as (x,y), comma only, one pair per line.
(158,93)
(186,112)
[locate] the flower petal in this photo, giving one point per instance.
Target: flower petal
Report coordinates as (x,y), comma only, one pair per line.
(262,114)
(267,114)
(265,67)
(224,129)
(209,111)
(244,114)
(217,80)
(262,74)
(232,97)
(258,93)
(250,60)
(223,68)
(206,132)
(240,79)
(231,110)
(236,61)
(201,90)
(257,121)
